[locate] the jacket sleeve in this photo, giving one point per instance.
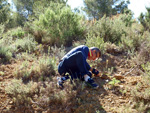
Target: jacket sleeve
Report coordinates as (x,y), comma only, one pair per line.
(86,50)
(88,66)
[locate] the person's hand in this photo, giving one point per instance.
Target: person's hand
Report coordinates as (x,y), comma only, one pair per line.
(99,74)
(95,72)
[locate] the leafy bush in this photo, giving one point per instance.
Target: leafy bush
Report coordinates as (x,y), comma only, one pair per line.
(23,45)
(143,55)
(39,70)
(5,51)
(95,41)
(60,26)
(2,28)
(9,46)
(131,42)
(56,52)
(127,18)
(21,93)
(141,93)
(17,32)
(5,54)
(137,28)
(135,36)
(109,29)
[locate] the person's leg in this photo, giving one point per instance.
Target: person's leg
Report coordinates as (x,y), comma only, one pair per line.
(81,63)
(76,63)
(61,80)
(62,72)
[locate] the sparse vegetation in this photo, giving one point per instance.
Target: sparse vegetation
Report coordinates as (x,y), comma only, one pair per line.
(36,70)
(114,82)
(31,46)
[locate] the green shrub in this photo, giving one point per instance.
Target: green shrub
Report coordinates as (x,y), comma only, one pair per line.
(5,51)
(15,33)
(2,28)
(23,45)
(131,42)
(21,93)
(60,26)
(56,52)
(109,29)
(10,46)
(145,19)
(141,94)
(95,41)
(137,28)
(5,54)
(133,39)
(114,82)
(127,18)
(144,50)
(47,65)
(39,70)
(18,32)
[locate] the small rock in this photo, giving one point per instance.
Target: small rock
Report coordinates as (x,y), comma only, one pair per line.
(120,97)
(121,102)
(134,82)
(107,80)
(1,78)
(104,76)
(119,77)
(121,86)
(112,102)
(11,102)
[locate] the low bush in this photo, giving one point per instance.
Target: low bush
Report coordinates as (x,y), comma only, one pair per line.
(2,28)
(141,94)
(143,54)
(39,70)
(60,26)
(131,42)
(5,54)
(22,45)
(10,46)
(109,29)
(56,52)
(17,32)
(95,41)
(21,93)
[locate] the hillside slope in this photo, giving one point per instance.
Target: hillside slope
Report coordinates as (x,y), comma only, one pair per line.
(110,97)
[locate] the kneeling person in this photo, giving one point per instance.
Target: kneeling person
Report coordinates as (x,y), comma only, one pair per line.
(74,63)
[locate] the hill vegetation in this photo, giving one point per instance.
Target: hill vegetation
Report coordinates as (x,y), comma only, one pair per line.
(35,37)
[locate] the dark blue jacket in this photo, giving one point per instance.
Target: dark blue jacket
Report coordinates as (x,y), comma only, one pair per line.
(75,61)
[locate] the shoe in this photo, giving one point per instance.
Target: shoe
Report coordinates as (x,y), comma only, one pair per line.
(91,83)
(60,82)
